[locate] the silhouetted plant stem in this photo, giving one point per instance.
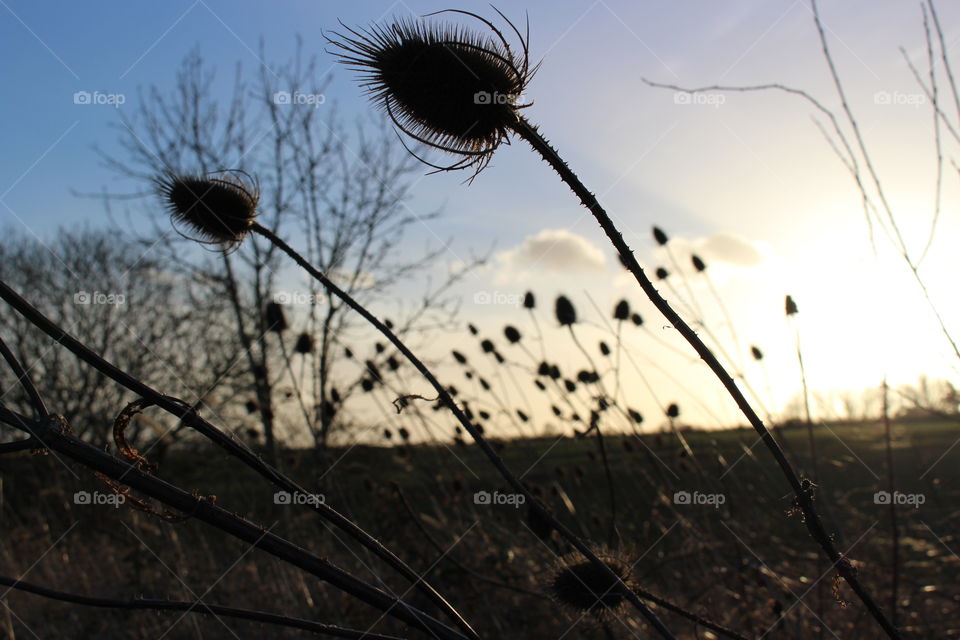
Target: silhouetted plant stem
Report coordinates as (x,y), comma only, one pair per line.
(803,490)
(238,450)
(446,400)
(894,528)
(152,604)
(53,432)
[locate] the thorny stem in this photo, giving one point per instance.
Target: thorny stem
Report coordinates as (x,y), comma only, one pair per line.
(446,400)
(189,417)
(52,432)
(803,490)
(152,604)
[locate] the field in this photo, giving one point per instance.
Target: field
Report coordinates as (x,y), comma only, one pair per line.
(736,553)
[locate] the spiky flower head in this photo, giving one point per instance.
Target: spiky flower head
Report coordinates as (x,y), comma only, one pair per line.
(443,84)
(660,237)
(790,306)
(698,263)
(622,310)
(566,314)
(585,588)
(217,208)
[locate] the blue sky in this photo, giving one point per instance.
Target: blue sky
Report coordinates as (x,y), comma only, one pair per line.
(752,167)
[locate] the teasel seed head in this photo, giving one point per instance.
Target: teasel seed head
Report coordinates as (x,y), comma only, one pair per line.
(790,306)
(275,318)
(662,274)
(636,319)
(511,333)
(566,314)
(444,85)
(698,263)
(673,411)
(622,310)
(756,353)
(528,300)
(585,588)
(218,209)
(304,344)
(660,236)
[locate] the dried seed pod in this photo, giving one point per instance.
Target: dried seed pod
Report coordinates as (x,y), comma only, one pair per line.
(511,334)
(604,349)
(275,318)
(528,300)
(756,353)
(662,274)
(219,210)
(673,411)
(698,263)
(304,344)
(660,236)
(622,310)
(790,306)
(566,314)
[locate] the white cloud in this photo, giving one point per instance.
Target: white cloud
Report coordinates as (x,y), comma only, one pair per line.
(730,248)
(554,250)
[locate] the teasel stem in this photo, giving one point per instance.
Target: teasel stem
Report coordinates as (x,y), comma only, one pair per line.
(446,400)
(202,608)
(803,490)
(192,419)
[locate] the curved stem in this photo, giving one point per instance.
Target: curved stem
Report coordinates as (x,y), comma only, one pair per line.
(189,417)
(153,604)
(803,490)
(446,400)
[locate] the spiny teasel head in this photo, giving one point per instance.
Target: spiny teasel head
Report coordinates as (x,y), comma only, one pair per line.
(673,411)
(528,300)
(304,343)
(622,310)
(566,314)
(698,263)
(274,317)
(636,319)
(660,237)
(662,274)
(756,353)
(511,333)
(790,306)
(586,588)
(444,85)
(217,208)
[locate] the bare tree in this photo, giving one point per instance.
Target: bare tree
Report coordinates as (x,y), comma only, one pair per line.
(104,290)
(343,190)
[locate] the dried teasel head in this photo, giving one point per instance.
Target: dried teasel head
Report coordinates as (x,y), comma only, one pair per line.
(566,314)
(622,310)
(790,306)
(216,208)
(584,588)
(444,85)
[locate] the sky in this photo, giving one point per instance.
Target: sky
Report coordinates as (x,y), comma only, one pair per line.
(745,179)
